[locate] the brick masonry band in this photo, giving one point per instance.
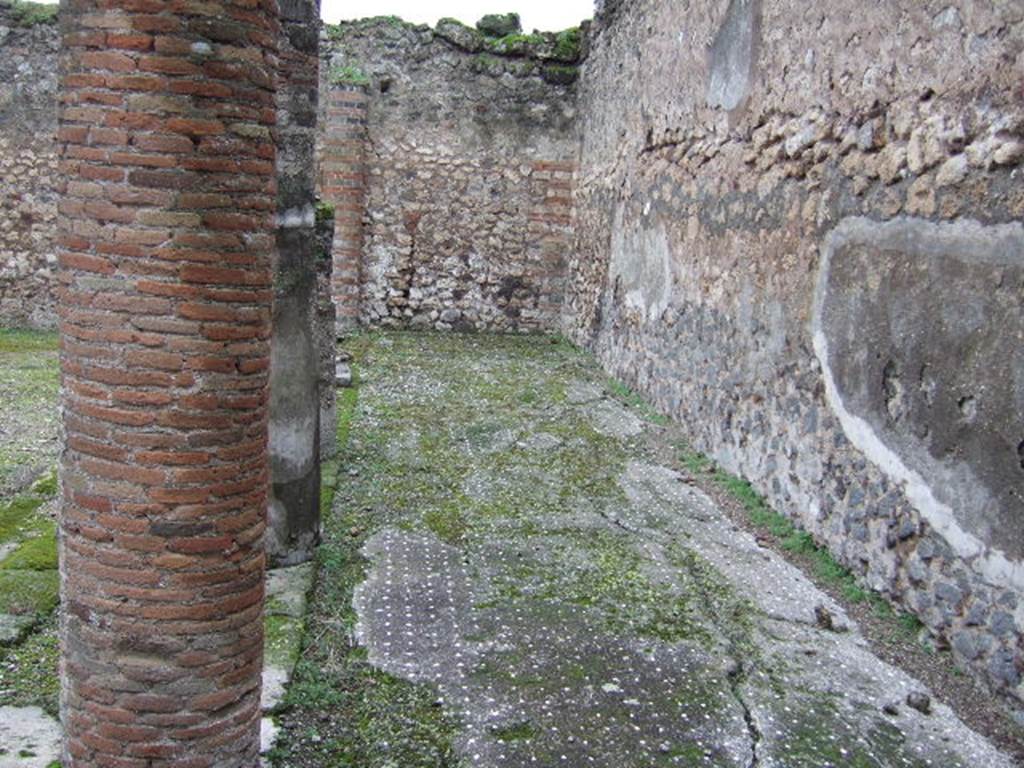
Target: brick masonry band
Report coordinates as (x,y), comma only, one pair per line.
(165,252)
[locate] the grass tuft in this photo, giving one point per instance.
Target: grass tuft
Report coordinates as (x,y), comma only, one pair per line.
(792,539)
(631,399)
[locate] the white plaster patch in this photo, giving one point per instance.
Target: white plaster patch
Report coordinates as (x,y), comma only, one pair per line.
(291,446)
(641,264)
(268,734)
(275,683)
(295,218)
(963,237)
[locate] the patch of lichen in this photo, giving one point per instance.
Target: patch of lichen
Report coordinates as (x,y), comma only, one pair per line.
(28,671)
(282,640)
(814,731)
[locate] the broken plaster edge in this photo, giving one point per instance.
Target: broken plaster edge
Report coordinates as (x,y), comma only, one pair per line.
(989,562)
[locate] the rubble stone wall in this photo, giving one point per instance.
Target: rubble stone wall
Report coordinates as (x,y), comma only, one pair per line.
(799,235)
(468,166)
(28,169)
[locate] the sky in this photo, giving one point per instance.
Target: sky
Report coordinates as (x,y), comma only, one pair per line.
(545,15)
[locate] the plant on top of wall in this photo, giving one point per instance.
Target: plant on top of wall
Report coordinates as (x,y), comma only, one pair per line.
(569,44)
(347,74)
(28,14)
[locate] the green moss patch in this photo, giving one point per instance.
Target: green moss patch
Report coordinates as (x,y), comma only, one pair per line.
(28,14)
(29,592)
(19,519)
(347,74)
(636,402)
(28,671)
(282,640)
(569,45)
(16,340)
(37,554)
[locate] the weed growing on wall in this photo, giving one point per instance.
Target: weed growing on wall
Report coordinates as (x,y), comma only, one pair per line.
(348,74)
(27,14)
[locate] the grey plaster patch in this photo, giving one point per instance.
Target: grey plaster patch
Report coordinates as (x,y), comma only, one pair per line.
(613,419)
(640,272)
(29,738)
(898,354)
(733,55)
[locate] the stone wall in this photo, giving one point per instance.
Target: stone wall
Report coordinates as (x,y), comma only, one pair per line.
(471,147)
(28,167)
(799,234)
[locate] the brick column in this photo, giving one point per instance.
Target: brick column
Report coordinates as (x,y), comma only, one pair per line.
(549,237)
(294,513)
(166,244)
(344,186)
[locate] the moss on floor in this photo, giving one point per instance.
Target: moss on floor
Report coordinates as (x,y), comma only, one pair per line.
(36,554)
(29,387)
(28,592)
(28,671)
(341,712)
(470,439)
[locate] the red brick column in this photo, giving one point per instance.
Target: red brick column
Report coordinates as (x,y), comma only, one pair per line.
(550,234)
(165,249)
(343,169)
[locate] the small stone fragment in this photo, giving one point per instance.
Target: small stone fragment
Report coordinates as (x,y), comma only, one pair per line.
(922,702)
(824,618)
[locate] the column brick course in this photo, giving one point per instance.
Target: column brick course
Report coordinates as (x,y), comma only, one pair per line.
(165,288)
(343,184)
